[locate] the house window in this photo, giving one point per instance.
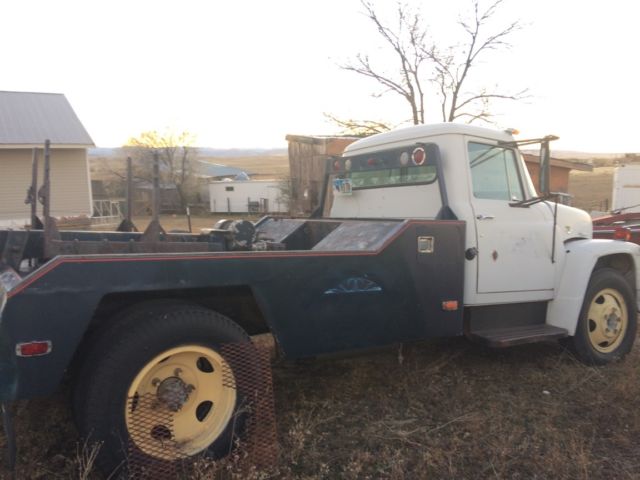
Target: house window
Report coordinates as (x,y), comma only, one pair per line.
(228,189)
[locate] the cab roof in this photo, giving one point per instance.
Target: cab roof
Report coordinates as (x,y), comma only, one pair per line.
(416,132)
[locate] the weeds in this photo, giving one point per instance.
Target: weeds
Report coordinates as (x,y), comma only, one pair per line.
(85,459)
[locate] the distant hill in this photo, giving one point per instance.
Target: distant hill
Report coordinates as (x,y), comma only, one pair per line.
(240,152)
(569,154)
(575,155)
(104,152)
(202,152)
(262,162)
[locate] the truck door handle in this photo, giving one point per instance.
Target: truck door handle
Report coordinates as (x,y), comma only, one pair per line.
(485,217)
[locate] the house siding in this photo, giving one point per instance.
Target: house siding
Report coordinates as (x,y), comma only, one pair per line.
(558,177)
(70,187)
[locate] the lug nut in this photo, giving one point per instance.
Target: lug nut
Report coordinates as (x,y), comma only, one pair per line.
(155,382)
(177,372)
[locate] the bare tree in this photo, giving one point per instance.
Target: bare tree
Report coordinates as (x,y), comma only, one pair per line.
(453,66)
(175,154)
(358,128)
(423,62)
(284,192)
(407,39)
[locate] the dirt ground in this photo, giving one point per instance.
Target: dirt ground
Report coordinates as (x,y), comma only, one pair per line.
(445,409)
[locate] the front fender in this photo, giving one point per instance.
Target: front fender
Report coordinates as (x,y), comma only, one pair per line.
(580,260)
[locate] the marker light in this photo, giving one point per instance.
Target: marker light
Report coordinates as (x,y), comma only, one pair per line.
(336,165)
(33,349)
(450,305)
(347,164)
(404,159)
(418,156)
(372,161)
(621,233)
(512,131)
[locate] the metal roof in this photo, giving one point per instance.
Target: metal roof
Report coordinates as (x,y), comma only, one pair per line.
(559,162)
(215,170)
(28,119)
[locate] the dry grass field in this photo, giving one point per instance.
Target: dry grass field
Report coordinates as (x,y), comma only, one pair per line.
(263,166)
(445,409)
(592,190)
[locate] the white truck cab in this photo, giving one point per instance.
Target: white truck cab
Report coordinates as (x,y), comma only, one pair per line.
(521,249)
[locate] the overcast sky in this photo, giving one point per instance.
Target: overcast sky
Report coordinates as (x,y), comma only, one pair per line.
(246,73)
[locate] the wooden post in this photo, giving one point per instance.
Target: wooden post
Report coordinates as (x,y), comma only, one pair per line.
(155,209)
(154,229)
(32,193)
(129,190)
(45,191)
(51,233)
(127,223)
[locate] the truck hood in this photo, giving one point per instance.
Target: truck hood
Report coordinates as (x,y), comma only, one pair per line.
(573,222)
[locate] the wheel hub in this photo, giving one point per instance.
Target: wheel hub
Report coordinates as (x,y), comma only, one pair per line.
(174,393)
(607,320)
(613,324)
(187,382)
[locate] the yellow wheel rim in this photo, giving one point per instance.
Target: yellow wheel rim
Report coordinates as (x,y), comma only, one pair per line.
(184,397)
(607,320)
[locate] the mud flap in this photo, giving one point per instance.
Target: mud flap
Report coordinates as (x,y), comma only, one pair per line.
(7,424)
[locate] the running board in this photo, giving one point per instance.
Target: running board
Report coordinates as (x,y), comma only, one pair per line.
(507,337)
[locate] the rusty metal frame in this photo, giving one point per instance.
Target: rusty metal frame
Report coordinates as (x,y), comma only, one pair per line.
(154,239)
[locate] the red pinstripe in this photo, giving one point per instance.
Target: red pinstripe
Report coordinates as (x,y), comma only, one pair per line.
(29,280)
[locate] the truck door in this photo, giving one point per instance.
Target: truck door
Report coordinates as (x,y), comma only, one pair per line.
(514,244)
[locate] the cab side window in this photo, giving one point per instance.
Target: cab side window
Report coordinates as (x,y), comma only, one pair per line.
(494,172)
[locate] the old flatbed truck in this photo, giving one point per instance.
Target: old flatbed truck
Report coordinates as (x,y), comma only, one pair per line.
(428,231)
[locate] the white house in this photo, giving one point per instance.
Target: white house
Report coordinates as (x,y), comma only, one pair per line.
(247,196)
(26,121)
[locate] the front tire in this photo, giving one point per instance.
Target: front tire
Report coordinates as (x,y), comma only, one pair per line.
(607,325)
(163,390)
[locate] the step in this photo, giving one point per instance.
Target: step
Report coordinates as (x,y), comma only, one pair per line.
(509,336)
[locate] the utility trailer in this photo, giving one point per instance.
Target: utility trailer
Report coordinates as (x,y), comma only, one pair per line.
(429,231)
(623,222)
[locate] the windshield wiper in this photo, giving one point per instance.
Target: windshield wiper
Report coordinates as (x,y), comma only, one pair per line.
(532,201)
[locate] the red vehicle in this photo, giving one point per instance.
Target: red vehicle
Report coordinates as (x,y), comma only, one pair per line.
(619,226)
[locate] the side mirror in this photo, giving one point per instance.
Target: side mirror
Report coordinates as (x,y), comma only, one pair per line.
(545,158)
(545,165)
